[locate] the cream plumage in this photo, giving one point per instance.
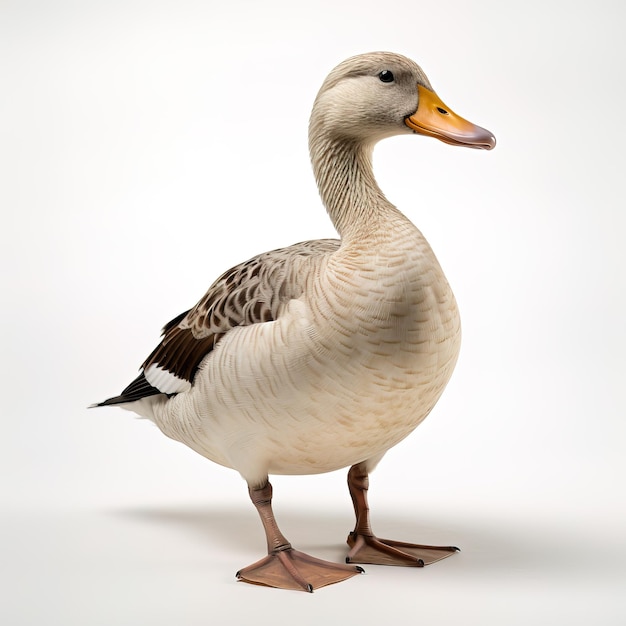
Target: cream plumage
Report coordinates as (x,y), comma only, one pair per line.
(327,353)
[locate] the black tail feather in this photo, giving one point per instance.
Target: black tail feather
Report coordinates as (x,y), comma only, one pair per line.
(138,389)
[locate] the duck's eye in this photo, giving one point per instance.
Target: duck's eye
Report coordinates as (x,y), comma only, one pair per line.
(386,76)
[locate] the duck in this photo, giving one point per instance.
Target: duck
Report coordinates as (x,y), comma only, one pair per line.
(325,354)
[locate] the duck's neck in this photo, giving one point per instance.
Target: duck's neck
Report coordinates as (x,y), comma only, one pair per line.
(354,201)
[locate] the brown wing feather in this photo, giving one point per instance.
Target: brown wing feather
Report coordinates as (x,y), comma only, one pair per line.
(249,293)
(180,352)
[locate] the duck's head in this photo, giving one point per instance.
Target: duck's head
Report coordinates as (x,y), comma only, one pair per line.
(381,94)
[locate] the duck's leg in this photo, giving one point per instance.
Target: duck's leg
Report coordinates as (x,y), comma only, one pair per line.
(284,567)
(365,547)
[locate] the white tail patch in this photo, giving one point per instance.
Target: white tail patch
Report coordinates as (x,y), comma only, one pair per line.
(165,381)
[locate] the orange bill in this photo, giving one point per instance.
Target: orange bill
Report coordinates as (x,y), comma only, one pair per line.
(434,119)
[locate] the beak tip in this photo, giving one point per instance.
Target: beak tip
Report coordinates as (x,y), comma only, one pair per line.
(484,141)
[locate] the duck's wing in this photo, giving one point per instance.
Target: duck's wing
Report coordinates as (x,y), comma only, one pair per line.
(252,292)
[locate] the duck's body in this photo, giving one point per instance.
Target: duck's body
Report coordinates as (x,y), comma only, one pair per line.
(327,353)
(348,369)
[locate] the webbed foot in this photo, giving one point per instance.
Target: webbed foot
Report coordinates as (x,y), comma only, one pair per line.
(370,549)
(291,569)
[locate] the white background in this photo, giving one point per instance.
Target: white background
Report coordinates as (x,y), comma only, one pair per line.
(148,146)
